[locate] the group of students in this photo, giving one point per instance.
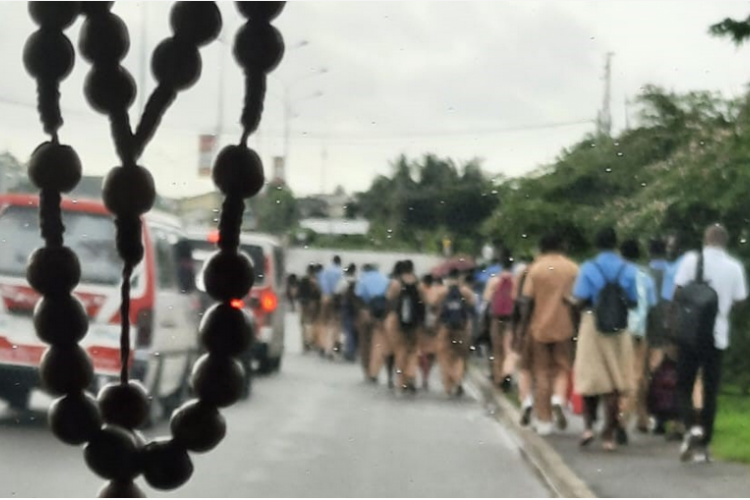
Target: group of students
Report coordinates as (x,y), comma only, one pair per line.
(644,341)
(399,323)
(640,338)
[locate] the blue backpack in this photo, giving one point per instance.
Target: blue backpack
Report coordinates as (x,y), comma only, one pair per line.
(455,313)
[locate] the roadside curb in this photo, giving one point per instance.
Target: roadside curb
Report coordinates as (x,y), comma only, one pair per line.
(547,462)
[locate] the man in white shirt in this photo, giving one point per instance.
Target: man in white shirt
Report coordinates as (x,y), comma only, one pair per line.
(726,276)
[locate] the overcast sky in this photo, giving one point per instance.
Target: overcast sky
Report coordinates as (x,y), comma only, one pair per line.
(461,79)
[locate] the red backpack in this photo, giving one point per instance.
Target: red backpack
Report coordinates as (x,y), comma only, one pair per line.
(502,300)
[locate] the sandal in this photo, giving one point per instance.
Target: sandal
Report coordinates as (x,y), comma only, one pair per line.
(586,439)
(609,446)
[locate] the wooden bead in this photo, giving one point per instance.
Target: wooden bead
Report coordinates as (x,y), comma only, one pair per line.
(258,45)
(176,64)
(226,330)
(121,489)
(104,39)
(217,380)
(124,405)
(238,171)
(48,55)
(55,167)
(109,89)
(74,419)
(55,15)
(53,270)
(260,11)
(95,8)
(65,370)
(228,275)
(60,320)
(195,22)
(166,465)
(112,454)
(198,426)
(129,191)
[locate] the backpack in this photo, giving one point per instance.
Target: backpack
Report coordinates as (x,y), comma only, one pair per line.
(658,324)
(454,314)
(349,299)
(697,306)
(409,307)
(521,302)
(378,307)
(611,310)
(304,290)
(661,399)
(502,299)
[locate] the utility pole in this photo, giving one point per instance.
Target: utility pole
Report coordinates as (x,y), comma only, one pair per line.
(627,113)
(604,118)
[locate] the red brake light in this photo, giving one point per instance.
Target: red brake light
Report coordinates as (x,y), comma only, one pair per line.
(237,304)
(268,301)
(213,236)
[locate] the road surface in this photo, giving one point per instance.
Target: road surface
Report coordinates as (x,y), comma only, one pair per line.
(313,430)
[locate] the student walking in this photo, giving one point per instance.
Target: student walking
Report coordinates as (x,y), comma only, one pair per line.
(703,332)
(454,339)
(603,369)
(548,345)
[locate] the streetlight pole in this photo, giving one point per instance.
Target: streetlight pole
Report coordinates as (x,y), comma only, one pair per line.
(288,111)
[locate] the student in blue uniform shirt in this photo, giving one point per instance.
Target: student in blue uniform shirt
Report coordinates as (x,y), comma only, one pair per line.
(603,366)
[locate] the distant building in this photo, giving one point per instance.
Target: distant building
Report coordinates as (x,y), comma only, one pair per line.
(204,210)
(337,227)
(325,206)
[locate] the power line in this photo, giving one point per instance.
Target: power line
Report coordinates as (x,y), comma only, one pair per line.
(362,137)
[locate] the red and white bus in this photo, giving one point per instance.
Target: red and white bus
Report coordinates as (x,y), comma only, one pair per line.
(164,308)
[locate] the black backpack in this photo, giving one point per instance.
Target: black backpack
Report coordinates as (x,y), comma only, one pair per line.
(697,306)
(454,314)
(409,307)
(378,307)
(611,310)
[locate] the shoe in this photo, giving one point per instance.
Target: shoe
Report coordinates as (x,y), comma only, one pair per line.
(372,380)
(526,416)
(690,444)
(621,436)
(543,428)
(642,428)
(506,385)
(586,439)
(560,420)
(459,391)
(702,455)
(660,429)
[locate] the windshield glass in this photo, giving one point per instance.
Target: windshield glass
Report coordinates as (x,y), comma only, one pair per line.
(90,236)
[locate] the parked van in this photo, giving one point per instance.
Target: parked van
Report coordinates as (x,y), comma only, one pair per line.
(264,301)
(163,312)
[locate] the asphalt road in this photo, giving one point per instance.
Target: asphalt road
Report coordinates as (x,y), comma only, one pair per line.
(313,430)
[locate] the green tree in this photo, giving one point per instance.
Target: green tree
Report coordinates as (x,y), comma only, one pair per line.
(276,209)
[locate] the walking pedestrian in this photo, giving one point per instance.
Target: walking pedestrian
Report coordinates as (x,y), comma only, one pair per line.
(454,302)
(725,275)
(500,295)
(637,323)
(427,334)
(309,297)
(348,306)
(548,344)
(371,289)
(329,322)
(603,369)
(408,311)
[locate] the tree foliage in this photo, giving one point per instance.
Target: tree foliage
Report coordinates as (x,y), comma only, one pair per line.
(276,209)
(426,200)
